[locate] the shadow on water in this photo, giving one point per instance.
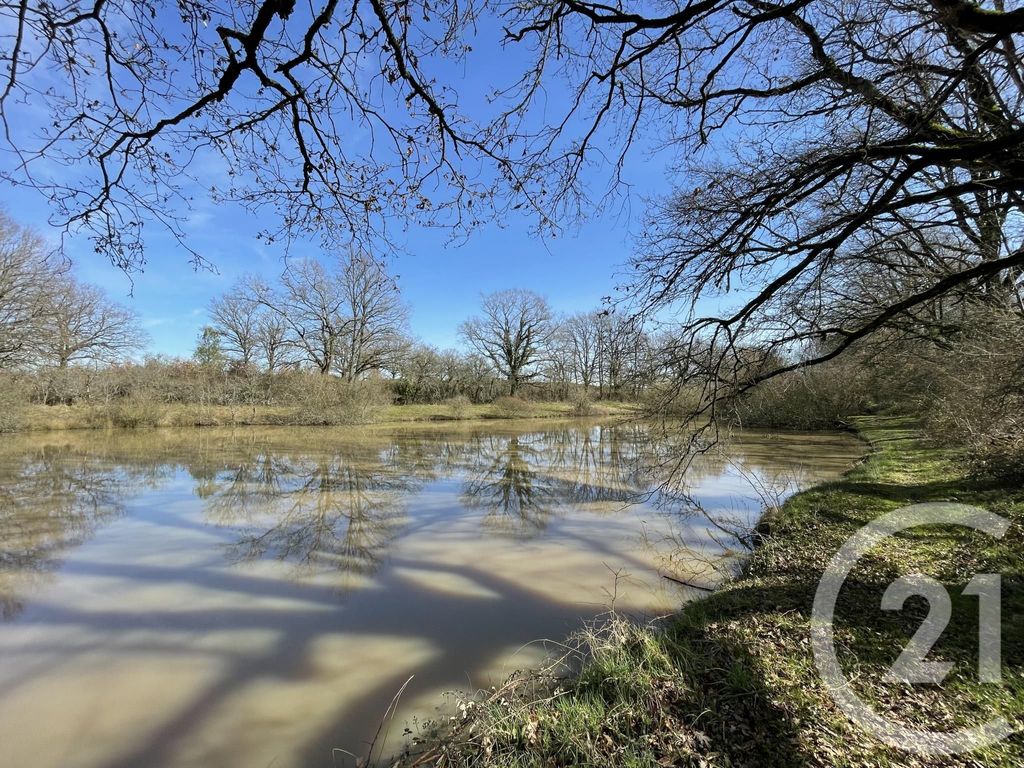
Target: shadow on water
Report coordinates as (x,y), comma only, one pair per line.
(339,552)
(50,501)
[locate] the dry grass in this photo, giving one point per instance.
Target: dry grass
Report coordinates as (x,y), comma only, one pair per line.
(58,417)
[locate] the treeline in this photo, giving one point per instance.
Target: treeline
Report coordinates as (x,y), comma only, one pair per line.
(958,366)
(348,319)
(326,338)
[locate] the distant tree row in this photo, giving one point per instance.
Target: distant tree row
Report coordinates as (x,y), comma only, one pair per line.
(48,318)
(345,317)
(348,319)
(522,339)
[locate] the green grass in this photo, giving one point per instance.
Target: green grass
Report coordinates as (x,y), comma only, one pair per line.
(731,681)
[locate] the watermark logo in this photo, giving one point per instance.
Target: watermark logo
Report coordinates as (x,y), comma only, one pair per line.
(912,666)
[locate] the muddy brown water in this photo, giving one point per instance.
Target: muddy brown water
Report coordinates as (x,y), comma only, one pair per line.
(257,597)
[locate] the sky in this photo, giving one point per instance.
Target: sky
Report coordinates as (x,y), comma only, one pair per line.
(442,282)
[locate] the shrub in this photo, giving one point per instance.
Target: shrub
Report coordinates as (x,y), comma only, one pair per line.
(508,407)
(822,397)
(136,411)
(662,399)
(364,401)
(329,401)
(61,386)
(977,400)
(13,399)
(459,406)
(582,405)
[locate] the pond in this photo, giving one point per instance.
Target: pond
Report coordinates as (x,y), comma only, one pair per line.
(257,597)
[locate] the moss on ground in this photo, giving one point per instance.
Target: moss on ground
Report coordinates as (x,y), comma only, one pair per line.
(731,680)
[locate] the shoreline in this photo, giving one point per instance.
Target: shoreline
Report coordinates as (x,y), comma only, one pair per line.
(57,418)
(730,680)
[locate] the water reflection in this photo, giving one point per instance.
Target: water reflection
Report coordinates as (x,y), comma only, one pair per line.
(522,480)
(277,586)
(505,481)
(337,502)
(51,499)
(340,510)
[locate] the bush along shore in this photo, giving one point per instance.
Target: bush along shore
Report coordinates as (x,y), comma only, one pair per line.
(731,679)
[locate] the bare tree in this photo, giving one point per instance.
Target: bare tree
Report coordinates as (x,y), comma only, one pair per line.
(249,329)
(25,271)
(583,331)
(83,326)
(621,347)
(271,340)
(558,366)
(420,375)
(310,303)
(378,319)
(816,139)
(511,331)
(348,318)
(235,317)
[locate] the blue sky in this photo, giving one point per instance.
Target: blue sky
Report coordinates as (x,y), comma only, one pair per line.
(441,282)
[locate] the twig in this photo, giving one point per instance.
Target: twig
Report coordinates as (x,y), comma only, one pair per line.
(687,583)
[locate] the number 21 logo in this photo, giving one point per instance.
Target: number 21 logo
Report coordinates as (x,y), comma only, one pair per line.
(912,665)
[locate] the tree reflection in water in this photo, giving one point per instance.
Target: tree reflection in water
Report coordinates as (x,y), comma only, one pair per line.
(272,651)
(332,502)
(521,481)
(53,498)
(339,510)
(504,482)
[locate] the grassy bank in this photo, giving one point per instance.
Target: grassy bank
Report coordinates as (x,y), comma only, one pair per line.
(135,415)
(731,679)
